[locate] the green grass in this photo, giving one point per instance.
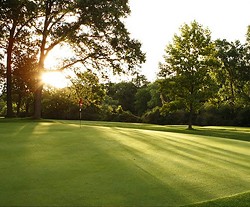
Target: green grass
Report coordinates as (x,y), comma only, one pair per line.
(57,163)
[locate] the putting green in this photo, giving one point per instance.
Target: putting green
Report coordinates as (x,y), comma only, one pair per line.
(51,163)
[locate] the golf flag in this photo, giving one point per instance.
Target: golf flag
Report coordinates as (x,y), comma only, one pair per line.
(80,103)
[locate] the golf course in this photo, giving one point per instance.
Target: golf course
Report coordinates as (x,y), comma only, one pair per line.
(60,163)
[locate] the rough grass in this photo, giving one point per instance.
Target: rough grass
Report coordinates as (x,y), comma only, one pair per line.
(57,163)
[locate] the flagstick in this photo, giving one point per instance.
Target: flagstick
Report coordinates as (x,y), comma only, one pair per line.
(80,117)
(80,112)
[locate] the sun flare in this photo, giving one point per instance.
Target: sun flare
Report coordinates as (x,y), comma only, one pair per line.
(55,79)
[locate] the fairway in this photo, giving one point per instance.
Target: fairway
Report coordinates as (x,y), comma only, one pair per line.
(57,163)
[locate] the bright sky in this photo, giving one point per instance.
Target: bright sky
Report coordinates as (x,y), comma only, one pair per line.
(154,22)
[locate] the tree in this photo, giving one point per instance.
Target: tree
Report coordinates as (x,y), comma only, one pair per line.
(95,31)
(188,61)
(124,93)
(15,17)
(142,97)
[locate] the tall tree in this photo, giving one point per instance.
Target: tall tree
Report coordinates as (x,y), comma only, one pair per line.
(94,29)
(188,61)
(15,17)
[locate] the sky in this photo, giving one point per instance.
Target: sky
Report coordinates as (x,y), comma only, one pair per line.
(154,23)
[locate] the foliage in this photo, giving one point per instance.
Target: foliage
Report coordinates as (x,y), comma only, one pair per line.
(210,114)
(124,93)
(58,104)
(142,97)
(155,93)
(24,68)
(64,103)
(153,116)
(233,76)
(86,86)
(2,107)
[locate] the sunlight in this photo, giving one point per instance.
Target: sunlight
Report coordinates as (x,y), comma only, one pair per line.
(57,55)
(52,63)
(55,79)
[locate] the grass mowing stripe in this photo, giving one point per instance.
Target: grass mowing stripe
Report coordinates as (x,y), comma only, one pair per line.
(183,162)
(57,163)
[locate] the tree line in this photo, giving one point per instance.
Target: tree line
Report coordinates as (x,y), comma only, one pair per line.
(200,81)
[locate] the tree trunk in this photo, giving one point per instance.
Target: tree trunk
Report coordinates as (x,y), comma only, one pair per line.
(38,97)
(190,118)
(9,78)
(39,84)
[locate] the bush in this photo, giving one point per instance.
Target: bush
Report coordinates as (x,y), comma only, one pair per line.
(224,115)
(177,117)
(126,116)
(3,108)
(153,116)
(243,117)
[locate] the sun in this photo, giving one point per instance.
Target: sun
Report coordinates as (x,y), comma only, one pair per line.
(55,79)
(52,77)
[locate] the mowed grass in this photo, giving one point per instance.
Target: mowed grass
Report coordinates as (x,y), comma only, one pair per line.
(57,163)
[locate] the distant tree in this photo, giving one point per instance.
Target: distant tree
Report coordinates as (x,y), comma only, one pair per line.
(188,61)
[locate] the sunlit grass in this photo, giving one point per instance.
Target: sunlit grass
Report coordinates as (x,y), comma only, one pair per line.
(119,164)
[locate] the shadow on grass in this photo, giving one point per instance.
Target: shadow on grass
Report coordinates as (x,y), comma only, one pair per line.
(236,133)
